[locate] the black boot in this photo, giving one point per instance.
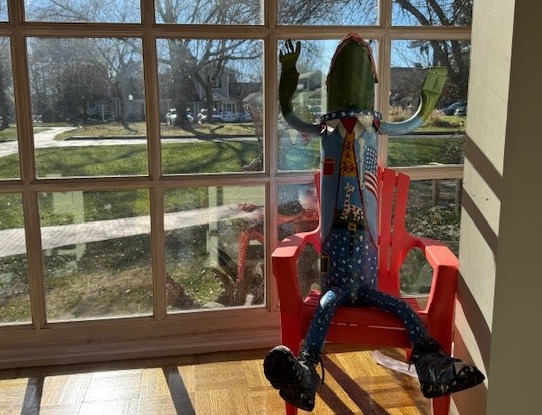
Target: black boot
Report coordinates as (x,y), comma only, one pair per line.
(295,378)
(441,374)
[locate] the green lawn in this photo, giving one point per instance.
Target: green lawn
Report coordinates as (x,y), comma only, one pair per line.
(424,150)
(120,269)
(9,134)
(116,130)
(213,155)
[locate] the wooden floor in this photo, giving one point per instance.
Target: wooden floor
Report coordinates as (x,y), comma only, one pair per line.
(230,383)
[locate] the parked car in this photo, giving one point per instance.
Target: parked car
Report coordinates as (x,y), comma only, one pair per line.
(203,114)
(228,116)
(458,105)
(461,111)
(245,117)
(316,111)
(171,116)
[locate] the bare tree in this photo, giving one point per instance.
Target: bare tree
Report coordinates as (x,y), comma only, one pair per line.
(204,61)
(453,54)
(51,62)
(117,11)
(328,12)
(122,56)
(123,60)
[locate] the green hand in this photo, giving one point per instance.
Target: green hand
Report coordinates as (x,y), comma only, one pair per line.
(289,76)
(432,87)
(288,57)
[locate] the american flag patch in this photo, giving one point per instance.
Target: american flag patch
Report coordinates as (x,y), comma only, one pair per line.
(371,181)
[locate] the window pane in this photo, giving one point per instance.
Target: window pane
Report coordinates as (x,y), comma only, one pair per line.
(96,253)
(3,10)
(93,106)
(14,294)
(211,105)
(298,152)
(214,247)
(298,212)
(441,139)
(434,211)
(328,12)
(222,12)
(100,11)
(432,13)
(9,149)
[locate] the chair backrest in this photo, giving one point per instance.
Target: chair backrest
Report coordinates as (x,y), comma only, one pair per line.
(393,237)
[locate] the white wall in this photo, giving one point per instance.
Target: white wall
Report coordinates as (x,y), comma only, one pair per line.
(498,319)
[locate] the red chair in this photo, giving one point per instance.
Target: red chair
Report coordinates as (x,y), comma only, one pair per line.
(369,326)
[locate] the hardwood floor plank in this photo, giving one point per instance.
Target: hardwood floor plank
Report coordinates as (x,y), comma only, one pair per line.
(110,407)
(114,386)
(55,410)
(208,384)
(64,389)
(161,406)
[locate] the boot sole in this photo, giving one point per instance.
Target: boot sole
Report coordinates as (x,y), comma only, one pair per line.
(465,379)
(280,370)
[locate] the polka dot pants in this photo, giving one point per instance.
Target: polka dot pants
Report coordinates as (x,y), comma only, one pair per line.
(351,280)
(366,296)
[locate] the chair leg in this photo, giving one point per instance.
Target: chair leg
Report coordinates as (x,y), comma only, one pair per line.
(290,409)
(290,338)
(440,406)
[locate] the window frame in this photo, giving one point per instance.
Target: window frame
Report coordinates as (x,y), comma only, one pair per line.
(190,332)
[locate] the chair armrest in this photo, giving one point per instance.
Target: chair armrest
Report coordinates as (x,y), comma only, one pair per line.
(284,261)
(441,302)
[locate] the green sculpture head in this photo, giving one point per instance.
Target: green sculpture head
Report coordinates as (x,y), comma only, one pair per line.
(352,75)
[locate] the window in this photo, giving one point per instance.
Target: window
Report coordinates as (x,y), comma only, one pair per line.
(147,173)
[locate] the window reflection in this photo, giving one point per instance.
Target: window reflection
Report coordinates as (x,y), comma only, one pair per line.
(96,254)
(297,211)
(96,245)
(214,247)
(14,292)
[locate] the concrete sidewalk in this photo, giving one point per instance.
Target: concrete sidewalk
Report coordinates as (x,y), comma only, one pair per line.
(46,139)
(12,241)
